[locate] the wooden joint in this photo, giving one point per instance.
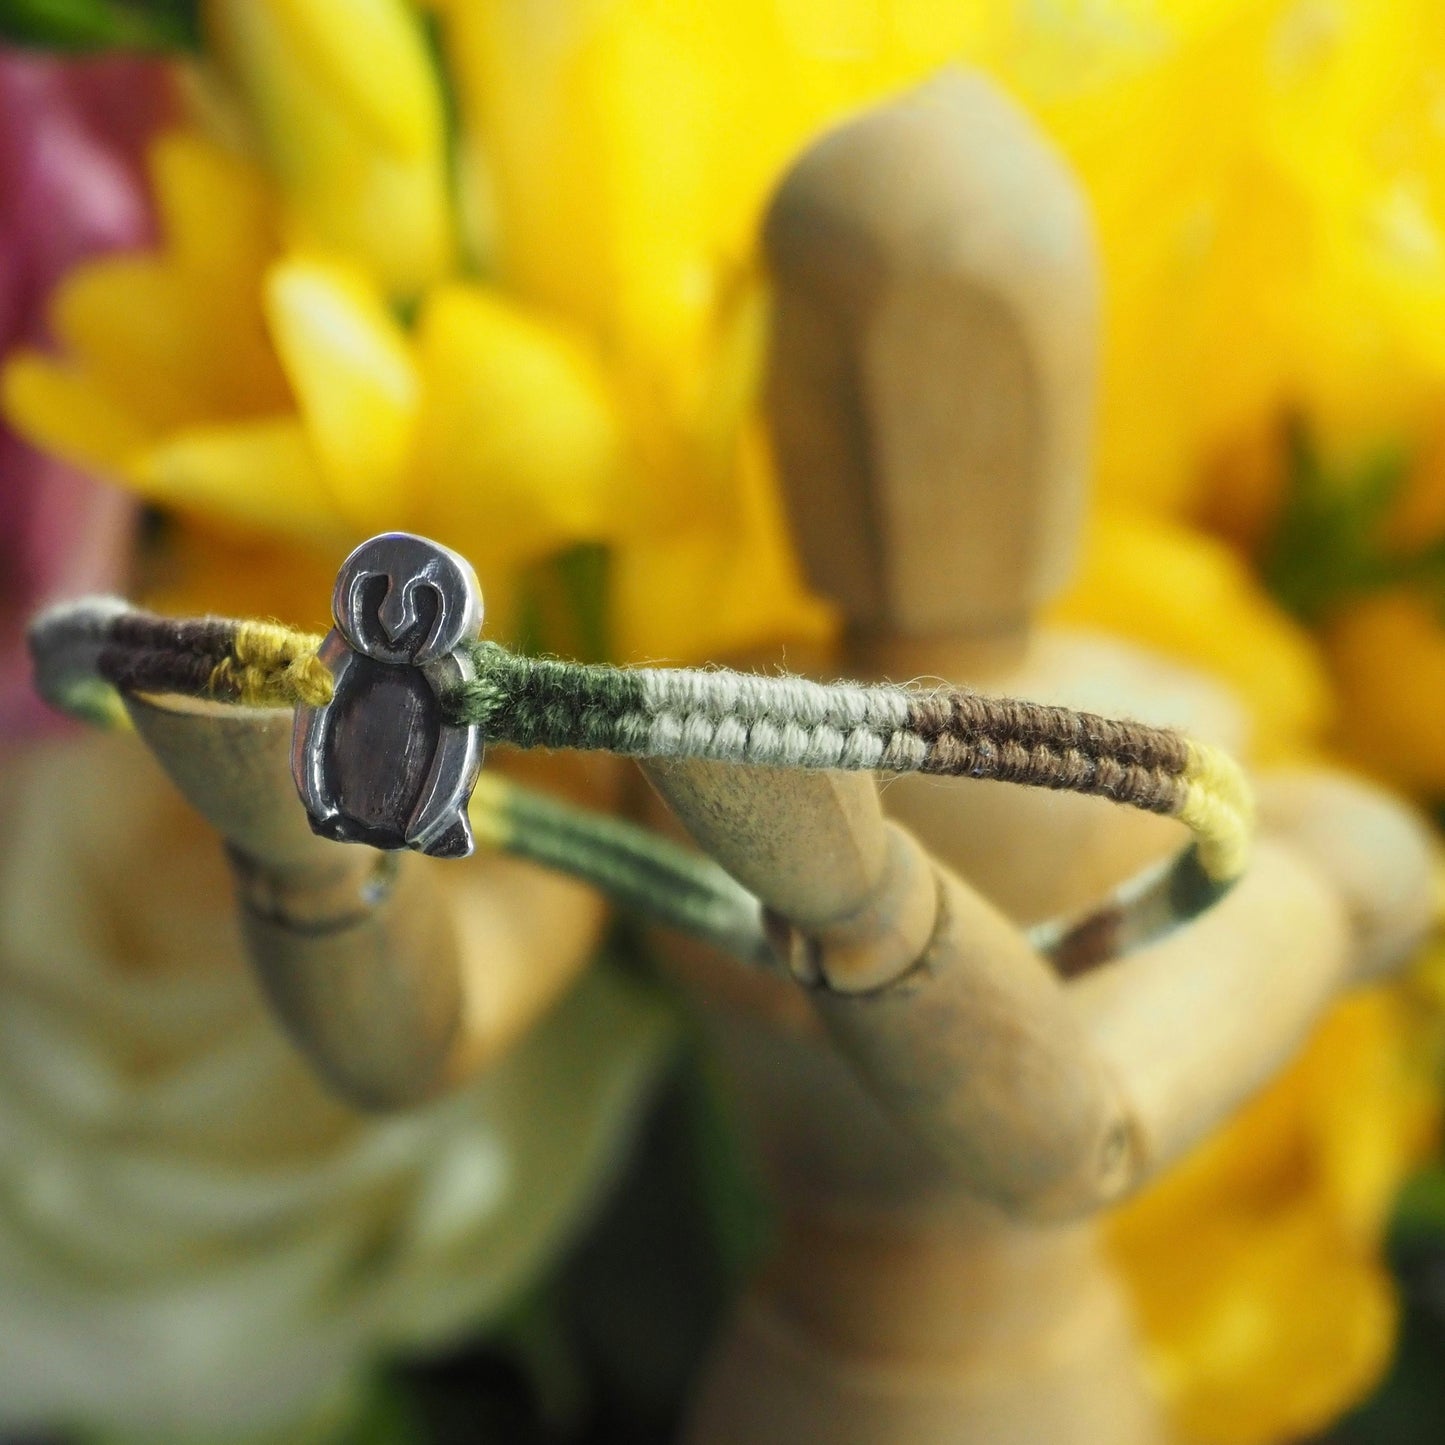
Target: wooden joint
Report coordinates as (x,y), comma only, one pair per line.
(315,902)
(881,940)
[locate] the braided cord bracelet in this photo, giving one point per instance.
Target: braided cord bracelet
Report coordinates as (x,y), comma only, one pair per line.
(87,652)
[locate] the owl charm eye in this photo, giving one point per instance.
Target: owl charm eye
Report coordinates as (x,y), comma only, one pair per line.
(380,763)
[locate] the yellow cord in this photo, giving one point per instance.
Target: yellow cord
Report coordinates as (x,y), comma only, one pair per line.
(274,666)
(1218,809)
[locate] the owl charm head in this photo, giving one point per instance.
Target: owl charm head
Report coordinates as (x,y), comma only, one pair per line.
(406,600)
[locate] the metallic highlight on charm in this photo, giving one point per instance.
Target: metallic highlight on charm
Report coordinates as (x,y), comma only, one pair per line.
(381,763)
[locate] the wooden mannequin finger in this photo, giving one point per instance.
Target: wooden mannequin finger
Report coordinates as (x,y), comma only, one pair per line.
(433,981)
(1377,853)
(352,947)
(811,846)
(394,974)
(233,766)
(1196,1024)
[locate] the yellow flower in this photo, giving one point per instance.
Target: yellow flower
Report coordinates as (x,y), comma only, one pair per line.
(1182,593)
(610,171)
(612,165)
(343,100)
(1388,655)
(1355,130)
(304,360)
(1322,300)
(1281,255)
(1255,1265)
(274,392)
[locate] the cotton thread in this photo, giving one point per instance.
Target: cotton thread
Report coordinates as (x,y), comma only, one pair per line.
(269,664)
(1219,809)
(715,714)
(792,722)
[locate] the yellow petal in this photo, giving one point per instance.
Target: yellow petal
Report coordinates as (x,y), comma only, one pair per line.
(371,55)
(219,219)
(210,567)
(717,590)
(1354,129)
(149,324)
(1263,1330)
(159,341)
(1374,1103)
(1185,224)
(164,345)
(342,189)
(216,211)
(1388,657)
(62,411)
(519,451)
(1280,1313)
(1191,597)
(351,368)
(257,475)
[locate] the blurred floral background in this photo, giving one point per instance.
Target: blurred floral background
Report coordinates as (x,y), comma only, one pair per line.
(278,274)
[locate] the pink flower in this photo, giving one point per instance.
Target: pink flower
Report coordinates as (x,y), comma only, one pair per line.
(71,138)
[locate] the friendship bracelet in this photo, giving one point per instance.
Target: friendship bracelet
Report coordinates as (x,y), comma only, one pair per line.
(393,707)
(790,722)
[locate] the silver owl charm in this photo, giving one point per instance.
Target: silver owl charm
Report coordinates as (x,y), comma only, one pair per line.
(379,763)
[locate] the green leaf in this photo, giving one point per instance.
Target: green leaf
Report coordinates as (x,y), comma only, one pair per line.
(1420,1207)
(80,25)
(1329,545)
(563,607)
(536,1330)
(738,1212)
(389,1417)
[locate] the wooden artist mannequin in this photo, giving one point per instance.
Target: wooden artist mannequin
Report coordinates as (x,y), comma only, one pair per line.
(942,1115)
(941,1118)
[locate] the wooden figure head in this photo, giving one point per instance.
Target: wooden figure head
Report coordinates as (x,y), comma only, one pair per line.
(933,368)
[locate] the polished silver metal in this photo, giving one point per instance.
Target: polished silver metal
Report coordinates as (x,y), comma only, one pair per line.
(380,764)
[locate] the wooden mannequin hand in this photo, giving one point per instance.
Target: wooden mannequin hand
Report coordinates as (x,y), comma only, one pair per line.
(397,975)
(1378,856)
(1055,1097)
